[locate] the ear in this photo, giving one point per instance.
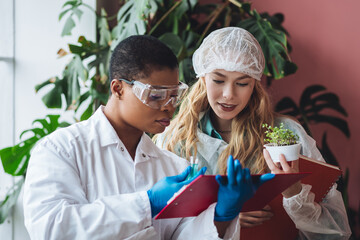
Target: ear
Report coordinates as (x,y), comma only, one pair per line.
(116,87)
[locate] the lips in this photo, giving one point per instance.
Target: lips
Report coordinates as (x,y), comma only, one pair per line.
(164,122)
(227,107)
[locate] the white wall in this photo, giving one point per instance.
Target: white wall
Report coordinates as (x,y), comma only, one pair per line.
(6,98)
(32,37)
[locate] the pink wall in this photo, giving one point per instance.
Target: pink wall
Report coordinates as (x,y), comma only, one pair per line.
(325,36)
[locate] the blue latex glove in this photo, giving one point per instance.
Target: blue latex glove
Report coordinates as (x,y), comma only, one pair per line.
(235,189)
(164,189)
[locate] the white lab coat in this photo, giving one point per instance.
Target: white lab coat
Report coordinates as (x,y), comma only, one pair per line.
(81,183)
(327,220)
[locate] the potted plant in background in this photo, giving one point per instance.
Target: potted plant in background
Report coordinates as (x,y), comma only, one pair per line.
(280,140)
(182,25)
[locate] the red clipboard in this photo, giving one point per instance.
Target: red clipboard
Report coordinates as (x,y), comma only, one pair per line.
(202,192)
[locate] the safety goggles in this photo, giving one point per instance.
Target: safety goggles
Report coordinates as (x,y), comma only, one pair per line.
(158,96)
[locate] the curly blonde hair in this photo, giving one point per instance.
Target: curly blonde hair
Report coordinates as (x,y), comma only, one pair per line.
(247,135)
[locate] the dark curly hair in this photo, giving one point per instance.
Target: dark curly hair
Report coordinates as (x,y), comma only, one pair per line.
(138,56)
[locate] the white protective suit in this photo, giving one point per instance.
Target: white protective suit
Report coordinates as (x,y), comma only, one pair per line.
(81,183)
(327,220)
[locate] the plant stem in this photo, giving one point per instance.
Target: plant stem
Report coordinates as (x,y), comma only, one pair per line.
(111,17)
(89,7)
(164,16)
(216,15)
(236,3)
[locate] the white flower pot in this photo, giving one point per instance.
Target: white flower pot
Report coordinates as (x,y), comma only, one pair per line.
(291,152)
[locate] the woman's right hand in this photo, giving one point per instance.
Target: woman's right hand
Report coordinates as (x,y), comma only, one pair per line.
(255,218)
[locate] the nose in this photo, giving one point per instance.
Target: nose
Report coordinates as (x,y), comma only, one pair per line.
(228,91)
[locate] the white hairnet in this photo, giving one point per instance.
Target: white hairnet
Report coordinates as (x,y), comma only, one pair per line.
(231,49)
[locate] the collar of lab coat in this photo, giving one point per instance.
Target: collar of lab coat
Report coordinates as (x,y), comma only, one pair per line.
(208,145)
(108,135)
(147,146)
(106,132)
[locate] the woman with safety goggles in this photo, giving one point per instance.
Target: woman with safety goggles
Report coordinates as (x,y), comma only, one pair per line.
(223,115)
(158,96)
(104,178)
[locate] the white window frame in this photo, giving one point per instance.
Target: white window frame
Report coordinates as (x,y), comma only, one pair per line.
(7,118)
(20,70)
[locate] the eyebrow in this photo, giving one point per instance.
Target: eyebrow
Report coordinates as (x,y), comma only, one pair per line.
(239,78)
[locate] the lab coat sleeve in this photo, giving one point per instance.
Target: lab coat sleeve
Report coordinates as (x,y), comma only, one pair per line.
(325,220)
(56,207)
(202,227)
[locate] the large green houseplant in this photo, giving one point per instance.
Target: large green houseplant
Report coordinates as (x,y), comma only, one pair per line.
(180,24)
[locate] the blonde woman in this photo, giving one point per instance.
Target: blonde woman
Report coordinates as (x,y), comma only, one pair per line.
(223,115)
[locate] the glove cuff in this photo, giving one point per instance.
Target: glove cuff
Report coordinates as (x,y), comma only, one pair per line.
(223,219)
(153,212)
(219,218)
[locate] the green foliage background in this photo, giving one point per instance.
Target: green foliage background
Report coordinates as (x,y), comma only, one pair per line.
(182,25)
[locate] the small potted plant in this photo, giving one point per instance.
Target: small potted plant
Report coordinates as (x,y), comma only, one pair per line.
(280,140)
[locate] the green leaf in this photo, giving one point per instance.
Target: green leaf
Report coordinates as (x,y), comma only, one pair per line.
(102,58)
(83,97)
(79,69)
(88,112)
(39,132)
(10,200)
(78,12)
(289,68)
(273,43)
(186,71)
(45,83)
(73,8)
(71,3)
(53,98)
(101,97)
(131,19)
(105,34)
(191,39)
(74,72)
(79,50)
(15,159)
(68,27)
(86,48)
(61,15)
(276,20)
(246,6)
(49,124)
(173,42)
(184,7)
(64,124)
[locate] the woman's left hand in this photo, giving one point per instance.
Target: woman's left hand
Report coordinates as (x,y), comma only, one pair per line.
(284,167)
